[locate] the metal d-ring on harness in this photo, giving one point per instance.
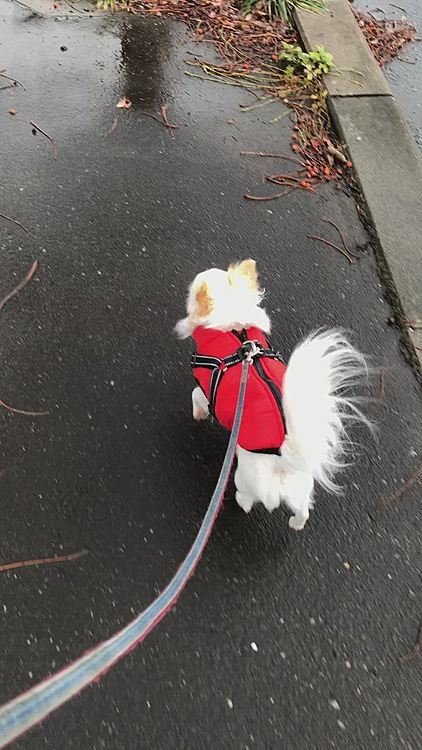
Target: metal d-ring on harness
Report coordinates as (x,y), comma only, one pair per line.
(31,707)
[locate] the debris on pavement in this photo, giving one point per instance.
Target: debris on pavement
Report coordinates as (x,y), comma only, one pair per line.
(12,111)
(163,110)
(385,36)
(350,257)
(271,197)
(36,128)
(272,155)
(15,81)
(417,648)
(306,103)
(236,36)
(113,126)
(22,284)
(13,221)
(256,47)
(341,235)
(334,152)
(43,561)
(251,46)
(413,480)
(24,412)
(163,120)
(26,279)
(124,103)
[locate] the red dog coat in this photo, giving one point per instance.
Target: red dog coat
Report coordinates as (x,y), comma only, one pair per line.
(217,367)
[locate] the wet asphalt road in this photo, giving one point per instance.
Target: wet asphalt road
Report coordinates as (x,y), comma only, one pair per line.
(120,224)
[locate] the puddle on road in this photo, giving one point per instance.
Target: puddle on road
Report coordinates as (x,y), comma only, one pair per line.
(144,50)
(112,56)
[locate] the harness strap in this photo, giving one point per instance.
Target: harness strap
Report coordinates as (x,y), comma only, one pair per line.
(211,363)
(220,365)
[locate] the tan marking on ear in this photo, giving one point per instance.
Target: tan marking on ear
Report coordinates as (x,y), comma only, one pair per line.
(246,269)
(204,300)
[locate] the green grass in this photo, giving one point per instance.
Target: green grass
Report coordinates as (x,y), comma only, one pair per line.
(312,65)
(285,8)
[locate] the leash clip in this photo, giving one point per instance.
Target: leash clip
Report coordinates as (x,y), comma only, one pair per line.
(251,349)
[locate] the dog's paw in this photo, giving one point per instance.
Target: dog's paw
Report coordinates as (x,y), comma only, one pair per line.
(199,405)
(297,522)
(244,502)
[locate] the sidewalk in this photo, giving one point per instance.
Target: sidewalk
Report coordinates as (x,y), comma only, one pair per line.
(120,223)
(405,75)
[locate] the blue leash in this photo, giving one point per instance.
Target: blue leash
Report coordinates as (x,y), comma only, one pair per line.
(32,706)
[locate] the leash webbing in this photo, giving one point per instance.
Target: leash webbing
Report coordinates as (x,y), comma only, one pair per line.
(32,706)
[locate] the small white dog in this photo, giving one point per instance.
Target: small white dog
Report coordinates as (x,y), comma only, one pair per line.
(293,426)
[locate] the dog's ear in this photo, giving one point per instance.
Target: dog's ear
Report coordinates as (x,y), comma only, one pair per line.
(244,271)
(204,301)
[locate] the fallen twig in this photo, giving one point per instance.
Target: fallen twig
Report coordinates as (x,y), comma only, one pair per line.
(22,411)
(414,479)
(393,5)
(163,110)
(15,80)
(276,156)
(9,86)
(21,285)
(351,258)
(53,143)
(417,648)
(288,179)
(74,9)
(154,117)
(43,561)
(163,120)
(270,197)
(113,126)
(336,153)
(14,221)
(341,235)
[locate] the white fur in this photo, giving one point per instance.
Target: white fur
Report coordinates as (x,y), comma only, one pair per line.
(320,373)
(199,404)
(233,307)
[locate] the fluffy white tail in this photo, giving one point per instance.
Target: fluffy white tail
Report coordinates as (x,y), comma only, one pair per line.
(320,372)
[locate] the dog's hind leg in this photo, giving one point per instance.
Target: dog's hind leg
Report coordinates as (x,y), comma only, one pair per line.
(296,491)
(199,404)
(244,501)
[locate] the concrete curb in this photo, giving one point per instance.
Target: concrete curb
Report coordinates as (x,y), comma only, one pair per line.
(386,161)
